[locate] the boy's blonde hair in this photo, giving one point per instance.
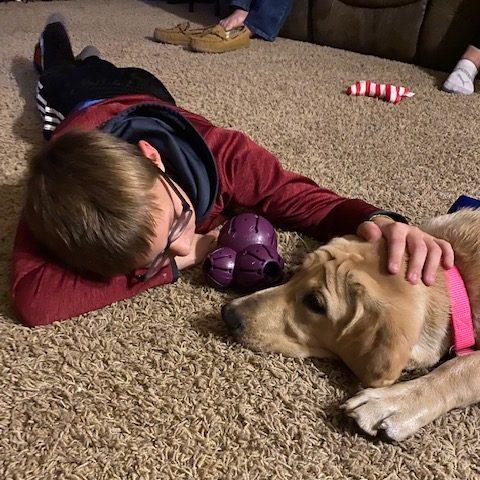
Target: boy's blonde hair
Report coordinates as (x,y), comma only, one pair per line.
(89,201)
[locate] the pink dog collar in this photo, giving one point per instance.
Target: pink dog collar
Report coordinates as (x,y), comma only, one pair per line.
(461,313)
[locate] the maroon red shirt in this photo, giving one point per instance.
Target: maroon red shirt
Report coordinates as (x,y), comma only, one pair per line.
(250,179)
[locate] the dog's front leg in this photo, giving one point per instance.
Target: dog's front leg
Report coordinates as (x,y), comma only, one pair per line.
(401,409)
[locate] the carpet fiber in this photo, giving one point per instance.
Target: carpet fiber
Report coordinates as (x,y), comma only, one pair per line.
(152,387)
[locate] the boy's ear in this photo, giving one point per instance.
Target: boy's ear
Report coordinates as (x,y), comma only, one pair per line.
(151,153)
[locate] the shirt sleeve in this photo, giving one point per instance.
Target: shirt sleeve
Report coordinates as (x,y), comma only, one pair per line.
(44,291)
(252,179)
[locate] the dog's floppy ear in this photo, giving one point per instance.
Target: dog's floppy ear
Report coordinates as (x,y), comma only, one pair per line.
(373,342)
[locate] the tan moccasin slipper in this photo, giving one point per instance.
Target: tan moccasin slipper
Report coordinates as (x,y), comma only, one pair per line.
(218,40)
(178,35)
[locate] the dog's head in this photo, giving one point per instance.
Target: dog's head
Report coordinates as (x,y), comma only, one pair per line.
(342,302)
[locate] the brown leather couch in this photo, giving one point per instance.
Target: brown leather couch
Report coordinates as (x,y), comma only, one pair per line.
(431,33)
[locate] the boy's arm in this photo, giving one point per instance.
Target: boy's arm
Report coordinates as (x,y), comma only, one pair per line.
(44,291)
(253,179)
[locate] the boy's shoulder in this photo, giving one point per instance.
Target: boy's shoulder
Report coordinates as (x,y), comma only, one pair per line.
(95,115)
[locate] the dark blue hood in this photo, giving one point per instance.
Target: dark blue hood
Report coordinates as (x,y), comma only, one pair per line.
(186,156)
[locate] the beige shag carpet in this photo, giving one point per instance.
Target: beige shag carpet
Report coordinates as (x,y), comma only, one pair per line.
(152,387)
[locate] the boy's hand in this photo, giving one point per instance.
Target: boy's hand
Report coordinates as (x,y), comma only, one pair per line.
(426,252)
(202,245)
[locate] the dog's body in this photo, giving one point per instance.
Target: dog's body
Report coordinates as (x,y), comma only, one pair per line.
(343,303)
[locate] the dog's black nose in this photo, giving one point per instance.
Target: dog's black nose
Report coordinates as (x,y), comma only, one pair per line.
(232,318)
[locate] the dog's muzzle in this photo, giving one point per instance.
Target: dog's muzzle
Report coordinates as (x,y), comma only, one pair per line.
(232,318)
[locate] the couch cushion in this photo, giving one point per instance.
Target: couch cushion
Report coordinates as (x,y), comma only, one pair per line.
(449,26)
(297,23)
(386,28)
(378,3)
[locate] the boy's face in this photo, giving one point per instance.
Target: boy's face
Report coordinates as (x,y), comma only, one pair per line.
(168,212)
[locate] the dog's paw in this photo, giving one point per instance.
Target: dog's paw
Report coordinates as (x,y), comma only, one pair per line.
(391,410)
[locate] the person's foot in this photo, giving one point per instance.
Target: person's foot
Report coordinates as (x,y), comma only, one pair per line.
(462,78)
(88,51)
(55,17)
(219,40)
(181,34)
(234,20)
(37,52)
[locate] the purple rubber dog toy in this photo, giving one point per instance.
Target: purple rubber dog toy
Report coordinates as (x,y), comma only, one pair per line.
(218,267)
(258,266)
(247,256)
(247,229)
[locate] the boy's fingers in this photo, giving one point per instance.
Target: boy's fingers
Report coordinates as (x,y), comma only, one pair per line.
(426,252)
(448,255)
(418,253)
(396,250)
(432,263)
(369,231)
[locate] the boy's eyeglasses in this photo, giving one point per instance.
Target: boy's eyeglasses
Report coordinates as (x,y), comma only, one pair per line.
(177,228)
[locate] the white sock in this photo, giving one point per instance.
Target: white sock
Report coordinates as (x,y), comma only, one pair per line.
(55,17)
(462,78)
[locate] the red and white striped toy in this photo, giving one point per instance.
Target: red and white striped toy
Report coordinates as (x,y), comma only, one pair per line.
(387,92)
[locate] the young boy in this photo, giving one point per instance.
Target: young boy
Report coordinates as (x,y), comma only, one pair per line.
(130,187)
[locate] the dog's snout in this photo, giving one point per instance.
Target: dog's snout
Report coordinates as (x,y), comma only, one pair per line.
(232,318)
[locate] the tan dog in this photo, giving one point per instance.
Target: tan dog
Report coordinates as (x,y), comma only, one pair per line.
(343,303)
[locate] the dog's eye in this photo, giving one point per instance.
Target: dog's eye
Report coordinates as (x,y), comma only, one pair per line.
(314,303)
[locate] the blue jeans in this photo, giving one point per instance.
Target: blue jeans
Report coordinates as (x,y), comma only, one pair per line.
(265,17)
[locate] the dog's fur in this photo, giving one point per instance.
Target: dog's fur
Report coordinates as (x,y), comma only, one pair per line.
(343,303)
